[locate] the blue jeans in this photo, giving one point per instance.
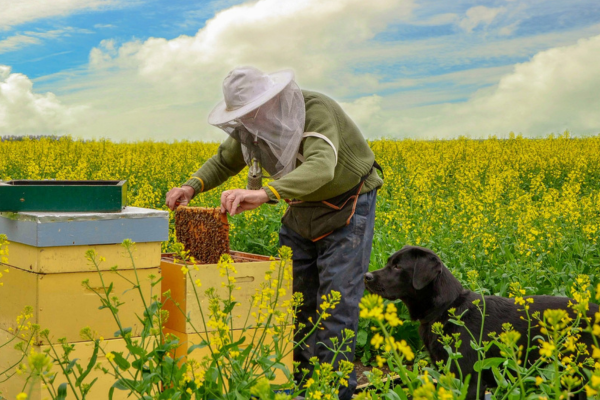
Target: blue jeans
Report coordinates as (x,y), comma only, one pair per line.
(336,262)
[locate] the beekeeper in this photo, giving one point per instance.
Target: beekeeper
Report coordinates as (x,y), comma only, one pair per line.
(323,167)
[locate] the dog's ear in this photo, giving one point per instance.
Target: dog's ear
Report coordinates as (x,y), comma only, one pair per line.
(427,267)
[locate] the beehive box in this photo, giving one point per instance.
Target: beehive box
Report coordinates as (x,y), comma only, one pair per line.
(51,229)
(63,196)
(187,340)
(63,305)
(53,260)
(47,265)
(83,351)
(251,271)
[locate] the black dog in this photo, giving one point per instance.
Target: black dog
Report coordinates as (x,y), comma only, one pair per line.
(418,277)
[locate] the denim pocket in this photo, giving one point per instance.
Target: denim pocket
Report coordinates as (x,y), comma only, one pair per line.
(359,224)
(363,205)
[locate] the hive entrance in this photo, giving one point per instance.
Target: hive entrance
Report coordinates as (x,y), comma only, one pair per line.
(204,232)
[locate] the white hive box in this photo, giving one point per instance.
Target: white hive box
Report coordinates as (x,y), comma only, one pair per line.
(47,264)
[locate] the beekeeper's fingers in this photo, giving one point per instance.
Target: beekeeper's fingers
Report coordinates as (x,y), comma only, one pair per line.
(172,196)
(224,197)
(239,197)
(229,202)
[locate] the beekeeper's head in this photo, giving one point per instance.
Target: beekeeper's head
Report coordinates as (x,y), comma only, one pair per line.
(265,112)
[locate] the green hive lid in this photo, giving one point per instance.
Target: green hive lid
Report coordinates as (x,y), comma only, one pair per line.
(63,196)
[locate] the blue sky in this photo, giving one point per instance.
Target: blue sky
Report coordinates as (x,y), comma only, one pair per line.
(139,20)
(151,69)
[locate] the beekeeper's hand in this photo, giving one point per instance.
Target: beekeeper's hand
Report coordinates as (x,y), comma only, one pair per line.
(239,200)
(180,196)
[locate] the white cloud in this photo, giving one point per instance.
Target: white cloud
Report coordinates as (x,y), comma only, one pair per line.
(509,29)
(18,12)
(311,36)
(24,112)
(28,38)
(101,26)
(557,90)
(365,111)
(17,42)
(478,15)
(164,89)
(439,19)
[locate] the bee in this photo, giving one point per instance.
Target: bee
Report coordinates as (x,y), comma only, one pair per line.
(204,232)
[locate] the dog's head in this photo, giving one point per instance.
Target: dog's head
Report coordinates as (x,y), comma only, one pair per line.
(416,276)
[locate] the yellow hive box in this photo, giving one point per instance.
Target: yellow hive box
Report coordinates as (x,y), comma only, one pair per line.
(188,340)
(62,305)
(83,351)
(52,260)
(251,271)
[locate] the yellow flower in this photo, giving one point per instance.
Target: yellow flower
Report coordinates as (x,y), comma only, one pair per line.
(110,357)
(547,349)
(595,352)
(590,391)
(22,396)
(444,394)
(39,362)
(377,340)
(539,380)
(405,349)
(371,306)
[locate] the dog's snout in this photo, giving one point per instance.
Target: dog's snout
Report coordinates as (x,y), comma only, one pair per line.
(369,277)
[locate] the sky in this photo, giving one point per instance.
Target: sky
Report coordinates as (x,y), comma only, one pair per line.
(131,70)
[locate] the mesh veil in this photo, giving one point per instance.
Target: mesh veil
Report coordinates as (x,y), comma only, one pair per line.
(272,133)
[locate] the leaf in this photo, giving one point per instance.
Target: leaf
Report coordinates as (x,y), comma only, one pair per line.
(229,307)
(123,384)
(61,393)
(392,396)
(69,367)
(499,378)
(515,394)
(398,390)
(136,350)
(123,332)
(151,310)
(201,345)
(239,396)
(90,365)
(361,338)
(120,361)
(488,363)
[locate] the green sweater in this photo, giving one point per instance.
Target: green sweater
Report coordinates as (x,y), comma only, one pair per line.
(318,178)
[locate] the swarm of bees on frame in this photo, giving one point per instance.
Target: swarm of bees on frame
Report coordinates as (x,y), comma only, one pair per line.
(204,232)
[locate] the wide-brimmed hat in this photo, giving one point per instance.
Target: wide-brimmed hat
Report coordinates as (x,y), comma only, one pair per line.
(245,89)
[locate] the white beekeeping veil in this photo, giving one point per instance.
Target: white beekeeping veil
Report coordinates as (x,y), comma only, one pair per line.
(265,113)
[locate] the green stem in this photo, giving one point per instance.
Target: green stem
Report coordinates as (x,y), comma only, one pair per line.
(479,355)
(62,368)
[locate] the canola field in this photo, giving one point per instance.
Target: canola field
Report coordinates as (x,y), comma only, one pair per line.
(525,210)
